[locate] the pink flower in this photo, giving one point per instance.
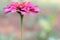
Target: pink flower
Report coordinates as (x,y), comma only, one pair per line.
(13,7)
(23,8)
(28,7)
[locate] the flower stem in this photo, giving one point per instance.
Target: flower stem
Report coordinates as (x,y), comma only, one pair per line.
(21,20)
(21,27)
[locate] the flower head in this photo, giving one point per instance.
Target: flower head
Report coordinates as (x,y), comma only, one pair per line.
(11,7)
(28,7)
(23,8)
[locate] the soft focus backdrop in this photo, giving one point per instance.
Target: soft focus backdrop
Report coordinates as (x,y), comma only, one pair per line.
(10,23)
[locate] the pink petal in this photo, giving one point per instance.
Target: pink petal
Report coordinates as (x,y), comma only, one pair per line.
(36,9)
(23,13)
(13,10)
(14,3)
(32,14)
(6,11)
(24,9)
(30,4)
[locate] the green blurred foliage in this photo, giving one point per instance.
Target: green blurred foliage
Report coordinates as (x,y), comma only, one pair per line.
(52,19)
(45,24)
(3,37)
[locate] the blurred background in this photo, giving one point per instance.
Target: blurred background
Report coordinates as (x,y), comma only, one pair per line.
(32,27)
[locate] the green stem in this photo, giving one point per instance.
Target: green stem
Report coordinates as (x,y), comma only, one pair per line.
(21,20)
(21,27)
